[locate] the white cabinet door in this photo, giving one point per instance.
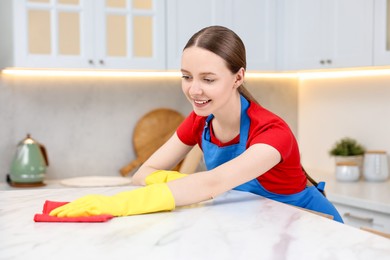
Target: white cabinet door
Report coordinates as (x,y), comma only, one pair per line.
(130,34)
(319,34)
(359,217)
(51,34)
(253,20)
(186,17)
(110,34)
(382,33)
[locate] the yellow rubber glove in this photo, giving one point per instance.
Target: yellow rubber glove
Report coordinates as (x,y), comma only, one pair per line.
(148,199)
(162,176)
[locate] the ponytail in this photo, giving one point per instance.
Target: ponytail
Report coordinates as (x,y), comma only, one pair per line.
(245,92)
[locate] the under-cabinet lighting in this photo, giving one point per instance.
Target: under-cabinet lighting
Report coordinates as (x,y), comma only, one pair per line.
(88,73)
(275,75)
(343,73)
(120,73)
(176,74)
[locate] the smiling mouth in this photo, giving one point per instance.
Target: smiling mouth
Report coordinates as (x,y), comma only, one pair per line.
(201,102)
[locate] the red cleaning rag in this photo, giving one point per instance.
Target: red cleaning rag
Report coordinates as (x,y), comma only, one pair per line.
(50,205)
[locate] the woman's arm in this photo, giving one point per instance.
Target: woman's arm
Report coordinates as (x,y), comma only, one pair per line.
(256,160)
(165,158)
(192,189)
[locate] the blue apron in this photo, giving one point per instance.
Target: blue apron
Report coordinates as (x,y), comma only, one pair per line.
(309,198)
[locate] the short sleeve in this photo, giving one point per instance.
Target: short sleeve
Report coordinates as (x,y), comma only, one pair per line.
(278,136)
(270,129)
(190,130)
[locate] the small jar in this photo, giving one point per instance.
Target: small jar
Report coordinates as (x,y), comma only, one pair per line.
(347,171)
(375,166)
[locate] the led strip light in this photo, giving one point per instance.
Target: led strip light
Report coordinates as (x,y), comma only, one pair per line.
(175,74)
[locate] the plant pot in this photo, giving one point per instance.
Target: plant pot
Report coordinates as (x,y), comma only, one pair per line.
(347,171)
(356,159)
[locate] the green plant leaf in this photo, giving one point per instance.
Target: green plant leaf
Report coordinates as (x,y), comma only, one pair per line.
(347,147)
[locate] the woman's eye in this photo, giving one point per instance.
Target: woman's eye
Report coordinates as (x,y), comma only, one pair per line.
(185,77)
(208,80)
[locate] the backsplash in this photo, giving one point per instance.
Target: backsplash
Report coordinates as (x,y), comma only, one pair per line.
(333,108)
(87,123)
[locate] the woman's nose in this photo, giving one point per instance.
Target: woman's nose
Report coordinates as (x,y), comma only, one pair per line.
(195,88)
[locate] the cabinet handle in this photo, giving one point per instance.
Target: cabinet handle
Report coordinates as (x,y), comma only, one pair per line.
(101,62)
(90,62)
(322,62)
(329,61)
(366,219)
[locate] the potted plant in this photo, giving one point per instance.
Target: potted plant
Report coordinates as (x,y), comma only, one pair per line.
(348,150)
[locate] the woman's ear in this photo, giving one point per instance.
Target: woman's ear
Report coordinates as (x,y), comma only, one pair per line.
(239,80)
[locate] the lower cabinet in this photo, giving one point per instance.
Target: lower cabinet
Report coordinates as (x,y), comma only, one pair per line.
(358,217)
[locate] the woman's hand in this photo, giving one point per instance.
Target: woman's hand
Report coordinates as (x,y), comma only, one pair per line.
(152,198)
(166,157)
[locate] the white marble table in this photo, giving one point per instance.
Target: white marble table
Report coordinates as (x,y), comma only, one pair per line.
(236,225)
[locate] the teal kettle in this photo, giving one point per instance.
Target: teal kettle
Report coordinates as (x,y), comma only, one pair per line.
(29,164)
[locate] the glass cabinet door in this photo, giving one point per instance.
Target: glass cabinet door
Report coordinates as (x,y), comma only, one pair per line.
(56,33)
(131,34)
(112,34)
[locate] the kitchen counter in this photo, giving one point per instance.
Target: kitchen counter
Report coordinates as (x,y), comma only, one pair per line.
(235,225)
(362,204)
(362,194)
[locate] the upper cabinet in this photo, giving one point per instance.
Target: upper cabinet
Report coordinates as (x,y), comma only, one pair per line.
(253,20)
(114,34)
(255,23)
(320,34)
(130,34)
(279,35)
(382,33)
(184,18)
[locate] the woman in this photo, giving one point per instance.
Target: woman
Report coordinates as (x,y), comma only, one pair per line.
(245,146)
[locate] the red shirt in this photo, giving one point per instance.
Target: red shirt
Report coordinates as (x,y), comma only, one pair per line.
(287,177)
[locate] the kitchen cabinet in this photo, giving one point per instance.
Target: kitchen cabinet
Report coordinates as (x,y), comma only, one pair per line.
(150,34)
(184,18)
(321,34)
(360,217)
(112,34)
(254,21)
(361,203)
(382,33)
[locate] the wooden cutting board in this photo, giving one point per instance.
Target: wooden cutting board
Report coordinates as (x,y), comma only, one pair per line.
(150,132)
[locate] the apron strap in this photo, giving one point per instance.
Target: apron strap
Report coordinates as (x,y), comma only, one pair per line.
(311,182)
(321,186)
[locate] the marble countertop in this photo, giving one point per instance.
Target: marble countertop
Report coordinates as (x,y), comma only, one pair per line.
(362,194)
(235,225)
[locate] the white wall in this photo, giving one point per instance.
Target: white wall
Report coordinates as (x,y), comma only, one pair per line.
(86,124)
(330,109)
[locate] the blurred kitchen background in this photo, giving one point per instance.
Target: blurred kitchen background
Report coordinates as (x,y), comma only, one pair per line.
(86,122)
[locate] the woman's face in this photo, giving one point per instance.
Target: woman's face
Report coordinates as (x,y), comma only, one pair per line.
(207,82)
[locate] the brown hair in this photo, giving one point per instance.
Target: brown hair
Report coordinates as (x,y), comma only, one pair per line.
(226,44)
